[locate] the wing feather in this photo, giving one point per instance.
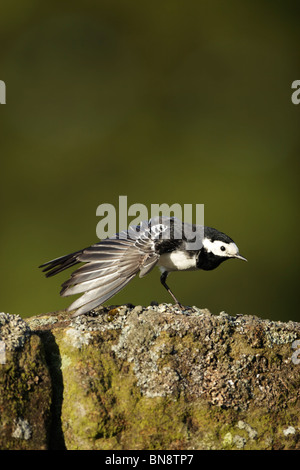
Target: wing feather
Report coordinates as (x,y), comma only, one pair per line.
(85,305)
(109,265)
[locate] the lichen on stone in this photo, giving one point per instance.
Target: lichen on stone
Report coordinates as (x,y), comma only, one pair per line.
(22,429)
(13,331)
(77,337)
(289,431)
(154,377)
(252,433)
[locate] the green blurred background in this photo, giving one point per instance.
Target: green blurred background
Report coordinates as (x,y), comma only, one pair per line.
(172,101)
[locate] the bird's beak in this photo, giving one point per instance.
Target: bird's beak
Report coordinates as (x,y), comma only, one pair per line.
(240,257)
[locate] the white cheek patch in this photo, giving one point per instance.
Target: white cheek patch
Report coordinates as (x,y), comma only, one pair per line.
(215,247)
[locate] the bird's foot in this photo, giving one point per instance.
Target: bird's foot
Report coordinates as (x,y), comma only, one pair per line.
(178,304)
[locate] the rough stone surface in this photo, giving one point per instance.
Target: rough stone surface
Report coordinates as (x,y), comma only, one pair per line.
(13,331)
(25,387)
(154,377)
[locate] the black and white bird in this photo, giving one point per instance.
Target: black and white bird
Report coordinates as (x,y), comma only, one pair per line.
(162,241)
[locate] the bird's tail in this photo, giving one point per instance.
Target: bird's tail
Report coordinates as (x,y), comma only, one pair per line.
(57,265)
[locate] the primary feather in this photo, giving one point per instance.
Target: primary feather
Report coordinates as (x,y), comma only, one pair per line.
(110,265)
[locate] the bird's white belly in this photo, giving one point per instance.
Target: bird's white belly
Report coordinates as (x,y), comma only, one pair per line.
(177,261)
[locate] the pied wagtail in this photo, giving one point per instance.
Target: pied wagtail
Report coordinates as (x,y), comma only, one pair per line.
(113,262)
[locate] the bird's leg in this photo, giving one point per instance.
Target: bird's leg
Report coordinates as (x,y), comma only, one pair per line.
(163,278)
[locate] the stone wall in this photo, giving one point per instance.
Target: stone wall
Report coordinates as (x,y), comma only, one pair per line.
(149,378)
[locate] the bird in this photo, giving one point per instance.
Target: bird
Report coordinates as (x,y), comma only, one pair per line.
(112,263)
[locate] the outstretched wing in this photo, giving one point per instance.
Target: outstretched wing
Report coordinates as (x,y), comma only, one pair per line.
(109,265)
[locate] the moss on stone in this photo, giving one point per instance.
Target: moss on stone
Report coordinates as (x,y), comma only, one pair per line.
(146,379)
(155,378)
(25,398)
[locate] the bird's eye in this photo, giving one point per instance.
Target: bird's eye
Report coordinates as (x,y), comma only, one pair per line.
(222,248)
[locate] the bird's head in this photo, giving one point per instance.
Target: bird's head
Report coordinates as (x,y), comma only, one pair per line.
(217,247)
